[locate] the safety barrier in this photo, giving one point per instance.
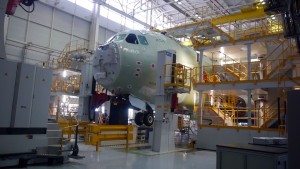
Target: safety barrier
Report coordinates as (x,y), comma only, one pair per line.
(97,133)
(68,127)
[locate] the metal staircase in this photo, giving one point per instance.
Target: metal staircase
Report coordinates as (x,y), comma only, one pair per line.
(222,111)
(279,61)
(58,149)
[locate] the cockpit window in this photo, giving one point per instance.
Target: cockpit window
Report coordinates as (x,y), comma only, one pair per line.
(110,39)
(115,38)
(119,37)
(131,38)
(143,40)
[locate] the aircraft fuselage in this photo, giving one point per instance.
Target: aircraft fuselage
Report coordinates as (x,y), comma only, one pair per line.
(126,64)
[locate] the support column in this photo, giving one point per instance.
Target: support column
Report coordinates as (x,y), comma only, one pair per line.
(249,108)
(6,20)
(86,69)
(200,108)
(200,60)
(249,60)
(94,29)
(85,91)
(3,4)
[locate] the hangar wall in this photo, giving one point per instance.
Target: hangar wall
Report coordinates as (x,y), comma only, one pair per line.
(41,35)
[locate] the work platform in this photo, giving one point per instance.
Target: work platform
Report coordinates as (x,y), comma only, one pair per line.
(248,84)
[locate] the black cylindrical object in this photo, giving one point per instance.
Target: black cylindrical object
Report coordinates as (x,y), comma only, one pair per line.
(297,39)
(278,111)
(284,111)
(75,148)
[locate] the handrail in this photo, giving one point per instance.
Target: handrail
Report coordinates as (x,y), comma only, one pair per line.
(262,27)
(273,51)
(233,115)
(68,127)
(225,109)
(286,51)
(242,73)
(178,76)
(64,59)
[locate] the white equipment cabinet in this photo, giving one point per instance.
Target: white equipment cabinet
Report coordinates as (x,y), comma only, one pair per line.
(7,80)
(41,99)
(21,113)
(24,98)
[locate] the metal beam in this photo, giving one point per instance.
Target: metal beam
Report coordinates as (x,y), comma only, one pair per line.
(180,10)
(243,41)
(247,14)
(123,13)
(257,13)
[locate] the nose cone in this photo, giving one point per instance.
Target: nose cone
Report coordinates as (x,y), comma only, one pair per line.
(106,64)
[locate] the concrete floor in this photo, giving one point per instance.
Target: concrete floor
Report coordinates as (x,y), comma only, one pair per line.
(117,158)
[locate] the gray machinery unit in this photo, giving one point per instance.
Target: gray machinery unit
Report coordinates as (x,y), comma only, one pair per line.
(24,97)
(165,121)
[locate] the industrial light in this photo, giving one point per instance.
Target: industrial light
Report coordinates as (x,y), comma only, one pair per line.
(254,60)
(103,109)
(262,1)
(222,50)
(297,88)
(64,74)
(179,2)
(273,17)
(196,15)
(64,98)
(175,0)
(243,49)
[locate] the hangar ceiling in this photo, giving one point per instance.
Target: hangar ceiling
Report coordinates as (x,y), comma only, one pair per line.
(186,11)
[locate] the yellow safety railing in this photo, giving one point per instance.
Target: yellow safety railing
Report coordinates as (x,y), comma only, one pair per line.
(234,67)
(68,126)
(224,110)
(219,74)
(229,70)
(97,133)
(64,59)
(178,76)
(221,107)
(230,116)
(232,32)
(286,52)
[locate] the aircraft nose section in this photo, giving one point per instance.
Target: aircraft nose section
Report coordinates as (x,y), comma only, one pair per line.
(106,64)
